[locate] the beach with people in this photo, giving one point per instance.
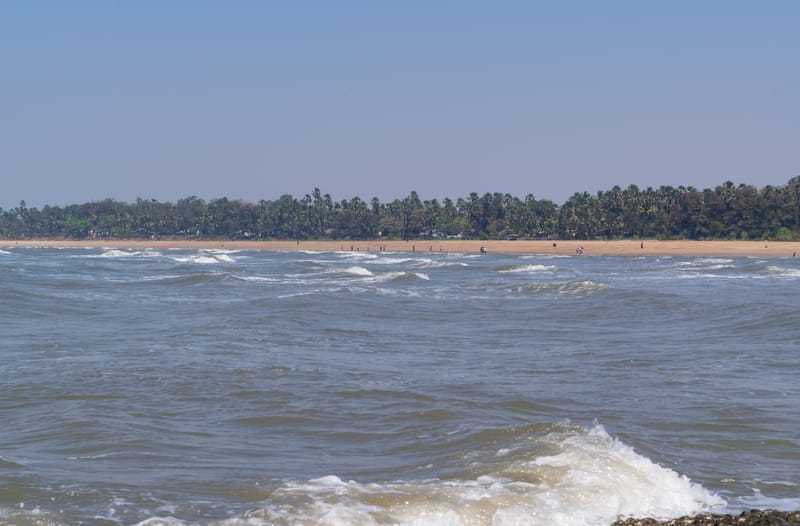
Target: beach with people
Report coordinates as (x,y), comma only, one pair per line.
(626,247)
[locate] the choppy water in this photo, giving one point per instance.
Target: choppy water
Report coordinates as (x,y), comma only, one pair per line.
(222,387)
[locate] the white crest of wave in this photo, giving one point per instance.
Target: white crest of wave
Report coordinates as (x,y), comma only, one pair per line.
(590,479)
(358,255)
(393,261)
(204,258)
(399,274)
(608,479)
(429,263)
(707,264)
(5,252)
(118,253)
(783,272)
(714,261)
(355,271)
(528,268)
(570,288)
(259,279)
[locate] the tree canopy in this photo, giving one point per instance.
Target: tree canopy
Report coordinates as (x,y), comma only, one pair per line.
(727,211)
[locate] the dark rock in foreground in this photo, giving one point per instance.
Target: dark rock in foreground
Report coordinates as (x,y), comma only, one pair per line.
(747,518)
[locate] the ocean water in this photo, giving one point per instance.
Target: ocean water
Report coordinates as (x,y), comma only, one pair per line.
(255,387)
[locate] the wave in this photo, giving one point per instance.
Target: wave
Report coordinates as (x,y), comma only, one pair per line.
(7,464)
(705,264)
(353,271)
(569,288)
(783,272)
(358,255)
(259,279)
(193,279)
(120,253)
(205,258)
(526,268)
(714,261)
(429,263)
(400,276)
(387,260)
(318,272)
(540,474)
(570,477)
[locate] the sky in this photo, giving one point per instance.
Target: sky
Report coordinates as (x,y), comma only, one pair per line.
(255,99)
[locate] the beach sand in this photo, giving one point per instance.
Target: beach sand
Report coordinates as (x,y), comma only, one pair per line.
(559,247)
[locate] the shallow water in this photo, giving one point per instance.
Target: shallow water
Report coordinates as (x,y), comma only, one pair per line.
(205,387)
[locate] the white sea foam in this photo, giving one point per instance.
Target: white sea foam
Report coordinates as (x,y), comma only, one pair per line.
(393,261)
(705,264)
(783,272)
(205,258)
(714,261)
(358,255)
(570,477)
(429,263)
(221,251)
(398,275)
(118,253)
(355,271)
(609,479)
(719,267)
(527,268)
(570,288)
(589,479)
(259,279)
(6,253)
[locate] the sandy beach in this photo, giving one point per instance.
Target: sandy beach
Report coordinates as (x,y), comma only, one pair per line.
(559,247)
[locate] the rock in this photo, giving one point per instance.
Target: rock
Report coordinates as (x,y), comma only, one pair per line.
(747,518)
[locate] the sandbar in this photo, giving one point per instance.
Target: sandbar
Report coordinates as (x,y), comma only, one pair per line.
(771,249)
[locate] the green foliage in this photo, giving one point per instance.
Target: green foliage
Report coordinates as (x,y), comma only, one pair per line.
(724,212)
(784,234)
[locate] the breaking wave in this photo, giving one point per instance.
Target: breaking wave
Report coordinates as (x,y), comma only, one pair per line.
(205,258)
(783,272)
(526,268)
(119,253)
(569,477)
(569,288)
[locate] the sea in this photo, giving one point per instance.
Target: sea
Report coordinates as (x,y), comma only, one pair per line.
(246,387)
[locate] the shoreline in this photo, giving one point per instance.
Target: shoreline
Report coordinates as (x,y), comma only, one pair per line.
(771,249)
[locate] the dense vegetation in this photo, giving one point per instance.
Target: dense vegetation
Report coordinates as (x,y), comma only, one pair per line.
(725,212)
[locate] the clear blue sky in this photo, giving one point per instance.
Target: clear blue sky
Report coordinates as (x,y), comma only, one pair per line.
(255,99)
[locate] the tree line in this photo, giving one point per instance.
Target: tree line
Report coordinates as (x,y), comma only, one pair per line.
(727,211)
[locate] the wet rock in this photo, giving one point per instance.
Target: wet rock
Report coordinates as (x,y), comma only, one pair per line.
(747,518)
